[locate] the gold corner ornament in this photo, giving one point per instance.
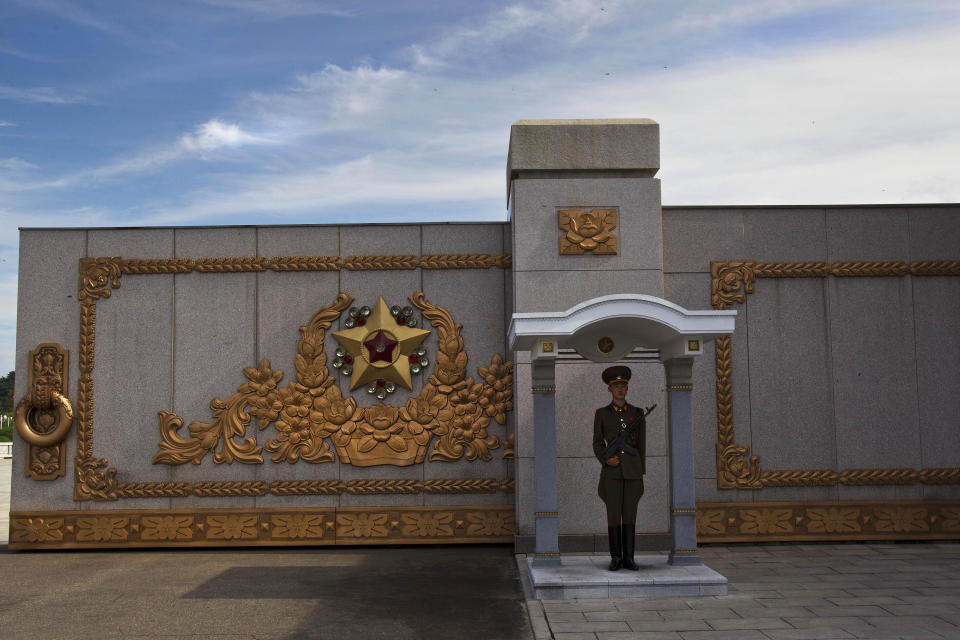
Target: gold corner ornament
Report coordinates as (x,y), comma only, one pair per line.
(587,230)
(381,347)
(44,416)
(737,468)
(309,411)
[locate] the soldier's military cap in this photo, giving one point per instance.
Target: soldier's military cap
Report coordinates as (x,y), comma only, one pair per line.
(618,373)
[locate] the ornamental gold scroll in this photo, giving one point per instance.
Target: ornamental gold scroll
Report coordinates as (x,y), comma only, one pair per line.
(310,413)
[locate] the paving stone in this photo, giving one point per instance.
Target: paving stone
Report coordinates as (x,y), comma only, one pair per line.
(866,601)
(637,624)
(586,627)
(834,611)
(771,612)
(748,623)
(738,634)
(640,635)
(575,636)
(818,633)
(698,614)
(574,616)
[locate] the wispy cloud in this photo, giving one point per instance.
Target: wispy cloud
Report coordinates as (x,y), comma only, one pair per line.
(37,94)
(72,12)
(16,164)
(6,123)
(23,55)
(280,8)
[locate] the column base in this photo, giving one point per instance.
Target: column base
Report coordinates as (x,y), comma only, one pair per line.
(546,559)
(684,558)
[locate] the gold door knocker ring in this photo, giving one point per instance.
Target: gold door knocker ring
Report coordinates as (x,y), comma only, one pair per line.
(44,426)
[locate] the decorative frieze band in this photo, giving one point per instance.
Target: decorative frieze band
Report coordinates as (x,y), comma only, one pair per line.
(316,263)
(736,467)
(254,527)
(799,521)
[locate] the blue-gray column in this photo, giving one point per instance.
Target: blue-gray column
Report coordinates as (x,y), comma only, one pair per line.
(683,514)
(546,523)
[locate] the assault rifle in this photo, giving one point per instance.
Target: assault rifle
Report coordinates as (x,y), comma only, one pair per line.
(620,442)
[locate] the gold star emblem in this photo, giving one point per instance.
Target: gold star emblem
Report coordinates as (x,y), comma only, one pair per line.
(381,348)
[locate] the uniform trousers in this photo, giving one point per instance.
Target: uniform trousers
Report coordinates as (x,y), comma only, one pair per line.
(621,497)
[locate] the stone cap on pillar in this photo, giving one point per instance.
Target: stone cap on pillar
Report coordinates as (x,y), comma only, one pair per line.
(607,328)
(619,144)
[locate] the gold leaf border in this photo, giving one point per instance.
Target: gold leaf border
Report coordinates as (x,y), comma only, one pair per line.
(261,527)
(823,521)
(94,479)
(736,468)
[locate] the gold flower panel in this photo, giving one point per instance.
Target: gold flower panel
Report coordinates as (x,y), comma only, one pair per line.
(800,521)
(268,527)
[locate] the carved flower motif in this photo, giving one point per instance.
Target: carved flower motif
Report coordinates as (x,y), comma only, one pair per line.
(337,410)
(951,519)
(381,425)
(36,530)
(423,412)
(428,524)
(263,380)
(710,523)
(297,525)
(167,527)
(468,421)
(232,527)
(833,520)
(588,231)
(490,523)
(298,420)
(101,529)
(901,519)
(761,521)
(362,525)
(497,398)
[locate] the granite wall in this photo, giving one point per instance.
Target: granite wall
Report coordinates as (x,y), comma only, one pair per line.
(831,372)
(173,342)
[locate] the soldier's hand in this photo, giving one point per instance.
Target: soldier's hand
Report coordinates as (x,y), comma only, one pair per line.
(614,461)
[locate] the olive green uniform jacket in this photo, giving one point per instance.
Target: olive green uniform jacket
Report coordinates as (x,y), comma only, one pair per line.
(607,424)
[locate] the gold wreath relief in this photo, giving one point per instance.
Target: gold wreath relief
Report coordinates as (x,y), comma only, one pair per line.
(311,412)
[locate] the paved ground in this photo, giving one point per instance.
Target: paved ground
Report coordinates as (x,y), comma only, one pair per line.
(790,592)
(776,592)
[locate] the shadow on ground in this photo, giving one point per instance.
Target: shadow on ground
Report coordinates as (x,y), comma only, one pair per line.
(397,593)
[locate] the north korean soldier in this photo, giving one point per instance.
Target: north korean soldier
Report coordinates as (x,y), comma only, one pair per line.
(621,477)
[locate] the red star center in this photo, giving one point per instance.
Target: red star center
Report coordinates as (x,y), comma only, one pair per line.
(380,347)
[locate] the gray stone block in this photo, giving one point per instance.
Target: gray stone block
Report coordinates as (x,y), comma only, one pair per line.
(319,240)
(868,234)
(653,512)
(937,309)
(784,234)
(133,379)
(215,242)
(536,233)
(47,311)
(791,402)
(581,510)
(874,369)
(693,236)
(130,243)
(525,496)
(464,238)
(934,233)
(558,291)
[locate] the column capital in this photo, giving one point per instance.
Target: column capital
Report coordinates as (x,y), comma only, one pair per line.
(679,373)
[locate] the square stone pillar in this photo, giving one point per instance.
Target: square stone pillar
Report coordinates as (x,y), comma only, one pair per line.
(546,514)
(560,169)
(683,508)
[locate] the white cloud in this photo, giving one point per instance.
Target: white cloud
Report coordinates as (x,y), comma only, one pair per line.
(16,164)
(6,123)
(280,8)
(37,94)
(215,134)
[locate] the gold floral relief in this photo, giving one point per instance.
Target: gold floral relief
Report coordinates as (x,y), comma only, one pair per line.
(36,530)
(102,529)
(766,521)
(833,520)
(272,527)
(427,524)
(297,525)
(232,527)
(172,527)
(587,230)
(311,412)
(362,525)
(490,523)
(711,522)
(901,519)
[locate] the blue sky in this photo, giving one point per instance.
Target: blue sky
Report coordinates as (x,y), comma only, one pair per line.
(293,111)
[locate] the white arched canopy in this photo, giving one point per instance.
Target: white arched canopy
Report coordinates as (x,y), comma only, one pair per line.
(627,321)
(606,329)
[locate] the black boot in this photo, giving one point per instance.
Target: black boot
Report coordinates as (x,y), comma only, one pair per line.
(615,547)
(629,542)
